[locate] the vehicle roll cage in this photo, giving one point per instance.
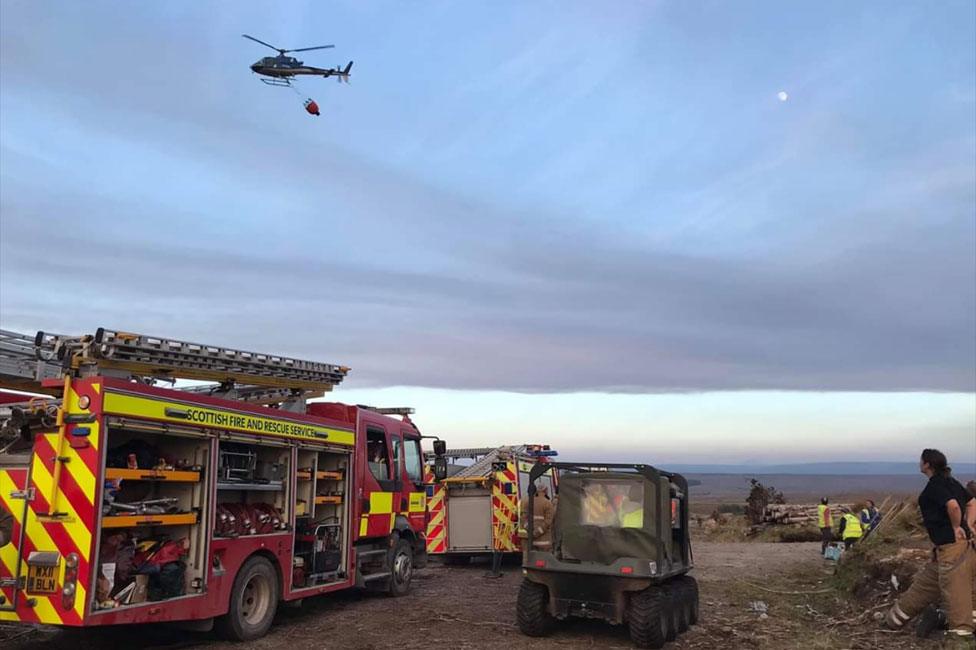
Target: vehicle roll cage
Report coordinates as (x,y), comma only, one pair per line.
(648,472)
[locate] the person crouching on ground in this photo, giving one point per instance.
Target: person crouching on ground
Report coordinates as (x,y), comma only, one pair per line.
(850,528)
(824,523)
(949,516)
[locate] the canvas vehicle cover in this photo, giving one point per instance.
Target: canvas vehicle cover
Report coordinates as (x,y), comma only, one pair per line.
(602,517)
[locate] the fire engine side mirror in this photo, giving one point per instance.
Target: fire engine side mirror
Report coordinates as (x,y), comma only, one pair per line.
(440,447)
(440,468)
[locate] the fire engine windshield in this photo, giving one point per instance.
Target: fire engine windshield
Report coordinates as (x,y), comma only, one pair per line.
(607,517)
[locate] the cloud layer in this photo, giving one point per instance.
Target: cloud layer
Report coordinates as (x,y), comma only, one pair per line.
(539,221)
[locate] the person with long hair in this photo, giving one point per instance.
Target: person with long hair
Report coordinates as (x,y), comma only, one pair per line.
(949,516)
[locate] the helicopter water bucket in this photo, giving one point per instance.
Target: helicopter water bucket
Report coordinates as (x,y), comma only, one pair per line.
(311,107)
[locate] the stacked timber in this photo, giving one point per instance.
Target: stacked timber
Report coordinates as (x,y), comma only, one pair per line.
(793,513)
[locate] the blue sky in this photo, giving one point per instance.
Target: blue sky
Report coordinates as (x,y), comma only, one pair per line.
(536,209)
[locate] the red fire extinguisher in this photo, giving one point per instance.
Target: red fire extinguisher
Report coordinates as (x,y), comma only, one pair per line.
(311,107)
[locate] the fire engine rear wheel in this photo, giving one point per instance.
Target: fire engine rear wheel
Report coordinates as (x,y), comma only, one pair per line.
(690,588)
(649,618)
(532,609)
(253,602)
(401,568)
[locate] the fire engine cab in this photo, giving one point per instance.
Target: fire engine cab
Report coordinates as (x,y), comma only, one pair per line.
(125,502)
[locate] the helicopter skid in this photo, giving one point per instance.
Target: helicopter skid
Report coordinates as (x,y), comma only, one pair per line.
(277,82)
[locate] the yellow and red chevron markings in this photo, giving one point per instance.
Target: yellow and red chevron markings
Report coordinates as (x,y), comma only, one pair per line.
(437,523)
(504,510)
(74,498)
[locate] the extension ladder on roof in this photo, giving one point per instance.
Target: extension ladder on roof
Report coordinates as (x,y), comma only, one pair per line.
(110,352)
(19,365)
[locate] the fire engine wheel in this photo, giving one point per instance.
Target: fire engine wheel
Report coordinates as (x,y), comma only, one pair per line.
(401,568)
(689,587)
(253,602)
(649,618)
(532,609)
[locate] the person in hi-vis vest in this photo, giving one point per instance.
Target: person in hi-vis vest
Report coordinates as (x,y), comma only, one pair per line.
(850,528)
(631,510)
(823,523)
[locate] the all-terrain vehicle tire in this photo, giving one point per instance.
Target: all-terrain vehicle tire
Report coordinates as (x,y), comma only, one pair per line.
(532,609)
(690,587)
(674,606)
(253,602)
(401,568)
(649,618)
(681,602)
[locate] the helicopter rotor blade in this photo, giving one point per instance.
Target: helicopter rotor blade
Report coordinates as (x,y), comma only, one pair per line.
(308,49)
(276,49)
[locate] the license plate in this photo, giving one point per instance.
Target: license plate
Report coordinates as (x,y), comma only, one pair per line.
(42,579)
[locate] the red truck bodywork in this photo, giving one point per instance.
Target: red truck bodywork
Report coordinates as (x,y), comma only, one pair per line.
(376,512)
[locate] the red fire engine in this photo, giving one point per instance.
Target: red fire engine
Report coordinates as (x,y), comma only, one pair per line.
(126,502)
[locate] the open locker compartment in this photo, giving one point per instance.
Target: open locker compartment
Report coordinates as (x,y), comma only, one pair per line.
(153,542)
(252,487)
(321,551)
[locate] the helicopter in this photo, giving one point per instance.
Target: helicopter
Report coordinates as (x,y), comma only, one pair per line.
(281,69)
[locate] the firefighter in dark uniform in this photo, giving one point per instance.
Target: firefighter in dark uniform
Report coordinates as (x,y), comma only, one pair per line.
(949,514)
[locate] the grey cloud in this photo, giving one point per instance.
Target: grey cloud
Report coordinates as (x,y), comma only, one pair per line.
(577,311)
(346,257)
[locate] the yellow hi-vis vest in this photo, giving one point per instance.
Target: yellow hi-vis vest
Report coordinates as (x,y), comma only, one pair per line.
(852,530)
(823,516)
(633,519)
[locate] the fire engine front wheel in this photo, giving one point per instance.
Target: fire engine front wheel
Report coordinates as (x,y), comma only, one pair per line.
(401,568)
(253,602)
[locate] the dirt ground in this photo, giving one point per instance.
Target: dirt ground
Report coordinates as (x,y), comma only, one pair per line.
(457,607)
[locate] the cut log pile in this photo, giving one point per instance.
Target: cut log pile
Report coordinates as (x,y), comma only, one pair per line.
(799,514)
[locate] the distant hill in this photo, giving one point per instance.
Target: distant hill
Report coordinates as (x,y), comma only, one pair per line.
(804,488)
(960,470)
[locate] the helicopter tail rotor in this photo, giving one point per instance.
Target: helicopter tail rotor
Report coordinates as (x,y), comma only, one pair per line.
(341,74)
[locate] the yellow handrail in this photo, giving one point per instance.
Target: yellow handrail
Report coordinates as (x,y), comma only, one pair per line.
(56,478)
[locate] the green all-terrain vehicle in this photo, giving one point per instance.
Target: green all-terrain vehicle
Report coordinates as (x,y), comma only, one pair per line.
(619,551)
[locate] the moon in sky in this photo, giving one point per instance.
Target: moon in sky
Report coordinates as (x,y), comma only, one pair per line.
(783,96)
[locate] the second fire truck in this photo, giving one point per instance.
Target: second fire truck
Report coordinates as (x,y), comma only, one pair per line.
(476,510)
(126,502)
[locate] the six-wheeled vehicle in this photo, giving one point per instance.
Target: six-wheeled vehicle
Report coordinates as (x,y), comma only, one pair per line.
(620,552)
